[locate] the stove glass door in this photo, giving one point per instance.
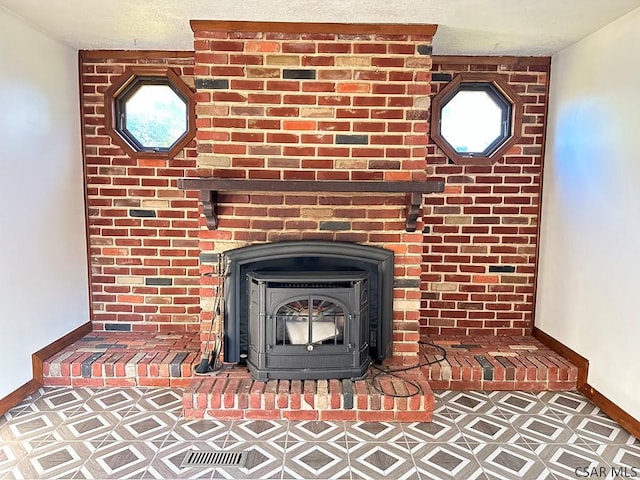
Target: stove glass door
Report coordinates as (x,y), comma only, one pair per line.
(310,320)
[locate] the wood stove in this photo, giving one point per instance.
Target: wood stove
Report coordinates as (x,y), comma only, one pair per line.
(308,325)
(308,309)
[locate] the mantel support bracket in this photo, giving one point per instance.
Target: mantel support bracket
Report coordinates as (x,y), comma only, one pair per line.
(209,199)
(413,211)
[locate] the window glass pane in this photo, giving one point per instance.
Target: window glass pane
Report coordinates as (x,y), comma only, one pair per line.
(156,116)
(310,321)
(471,121)
(327,322)
(292,323)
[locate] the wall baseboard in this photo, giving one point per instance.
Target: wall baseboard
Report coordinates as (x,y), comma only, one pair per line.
(38,358)
(37,367)
(571,355)
(19,394)
(626,421)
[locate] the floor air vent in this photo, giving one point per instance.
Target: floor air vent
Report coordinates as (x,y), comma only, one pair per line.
(204,458)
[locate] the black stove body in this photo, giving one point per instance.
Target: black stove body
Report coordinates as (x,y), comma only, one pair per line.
(308,309)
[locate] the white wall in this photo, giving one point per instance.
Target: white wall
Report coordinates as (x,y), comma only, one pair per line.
(43,272)
(589,278)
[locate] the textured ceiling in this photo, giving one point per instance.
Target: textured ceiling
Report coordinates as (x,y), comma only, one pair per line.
(466,27)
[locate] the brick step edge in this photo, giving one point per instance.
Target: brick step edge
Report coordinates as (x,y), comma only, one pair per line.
(120,369)
(519,369)
(481,385)
(243,398)
(525,373)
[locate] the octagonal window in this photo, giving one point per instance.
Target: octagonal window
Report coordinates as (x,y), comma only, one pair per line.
(150,112)
(153,116)
(475,121)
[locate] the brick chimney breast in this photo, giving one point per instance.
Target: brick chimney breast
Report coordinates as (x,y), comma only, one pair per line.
(316,102)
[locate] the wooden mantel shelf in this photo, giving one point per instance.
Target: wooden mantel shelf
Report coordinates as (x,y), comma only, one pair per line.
(209,188)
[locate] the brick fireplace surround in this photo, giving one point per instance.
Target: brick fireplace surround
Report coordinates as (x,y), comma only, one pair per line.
(323,102)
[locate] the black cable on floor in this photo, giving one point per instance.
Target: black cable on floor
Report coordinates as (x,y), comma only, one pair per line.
(375,380)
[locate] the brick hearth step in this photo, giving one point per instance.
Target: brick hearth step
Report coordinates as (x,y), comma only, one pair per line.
(121,359)
(235,395)
(496,363)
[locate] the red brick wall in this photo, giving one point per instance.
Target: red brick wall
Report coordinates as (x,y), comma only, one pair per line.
(363,117)
(480,239)
(142,230)
(316,106)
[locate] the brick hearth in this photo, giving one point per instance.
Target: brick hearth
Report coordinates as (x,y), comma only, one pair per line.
(117,359)
(233,394)
(496,363)
(103,359)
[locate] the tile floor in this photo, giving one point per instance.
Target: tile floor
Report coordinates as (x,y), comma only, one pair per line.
(137,433)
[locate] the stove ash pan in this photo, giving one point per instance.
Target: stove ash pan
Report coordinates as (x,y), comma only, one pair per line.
(305,326)
(308,309)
